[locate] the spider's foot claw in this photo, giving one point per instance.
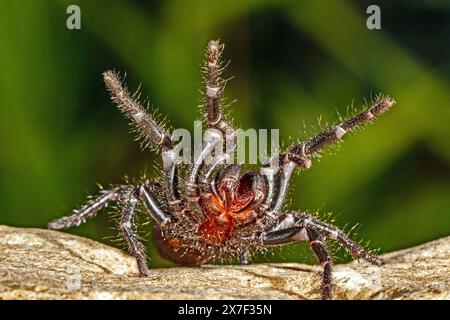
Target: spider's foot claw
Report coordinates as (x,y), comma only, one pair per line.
(326,293)
(379,262)
(143,273)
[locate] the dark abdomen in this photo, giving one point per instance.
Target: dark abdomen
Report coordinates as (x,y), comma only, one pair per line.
(174,251)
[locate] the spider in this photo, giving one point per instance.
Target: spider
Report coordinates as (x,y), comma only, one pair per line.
(214,211)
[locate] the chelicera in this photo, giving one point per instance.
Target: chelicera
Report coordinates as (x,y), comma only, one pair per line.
(215,210)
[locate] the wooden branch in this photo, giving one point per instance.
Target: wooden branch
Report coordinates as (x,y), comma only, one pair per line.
(42,264)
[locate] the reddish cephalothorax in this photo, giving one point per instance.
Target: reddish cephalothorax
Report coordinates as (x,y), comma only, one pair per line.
(214,210)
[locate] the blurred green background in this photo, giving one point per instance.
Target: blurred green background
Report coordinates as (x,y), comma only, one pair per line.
(293,61)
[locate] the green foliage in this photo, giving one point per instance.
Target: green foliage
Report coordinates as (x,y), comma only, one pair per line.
(293,61)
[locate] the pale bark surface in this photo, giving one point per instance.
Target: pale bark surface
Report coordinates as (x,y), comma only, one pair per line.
(42,264)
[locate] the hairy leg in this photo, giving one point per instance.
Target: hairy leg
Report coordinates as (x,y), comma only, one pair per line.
(89,210)
(150,132)
(324,258)
(222,132)
(213,87)
(288,235)
(292,226)
(302,152)
(129,196)
(300,155)
(299,226)
(145,194)
(147,128)
(333,233)
(127,229)
(219,130)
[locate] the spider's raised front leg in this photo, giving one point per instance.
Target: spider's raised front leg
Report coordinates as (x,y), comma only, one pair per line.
(150,132)
(214,87)
(87,211)
(299,226)
(301,154)
(304,151)
(220,130)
